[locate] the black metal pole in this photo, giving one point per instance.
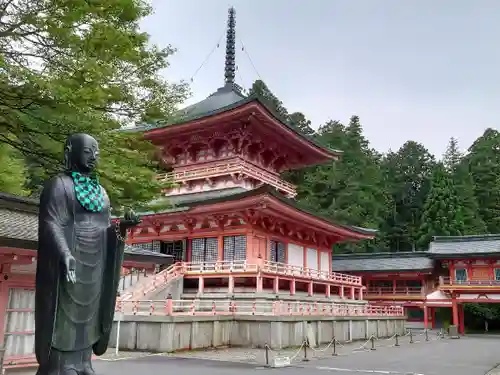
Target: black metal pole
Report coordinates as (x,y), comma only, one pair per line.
(426,335)
(397,340)
(306,344)
(267,355)
(411,336)
(334,346)
(373,343)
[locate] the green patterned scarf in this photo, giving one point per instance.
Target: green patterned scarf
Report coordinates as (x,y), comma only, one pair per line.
(88,192)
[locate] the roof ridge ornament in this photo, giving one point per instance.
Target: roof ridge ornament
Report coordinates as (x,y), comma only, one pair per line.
(230,66)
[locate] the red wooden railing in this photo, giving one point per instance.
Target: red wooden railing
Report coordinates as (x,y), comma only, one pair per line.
(231,167)
(446,281)
(172,307)
(399,291)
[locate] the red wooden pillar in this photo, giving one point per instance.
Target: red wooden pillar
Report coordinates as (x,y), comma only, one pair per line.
(454,309)
(461,323)
(433,317)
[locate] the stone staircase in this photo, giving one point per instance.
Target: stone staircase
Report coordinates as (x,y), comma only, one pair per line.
(168,281)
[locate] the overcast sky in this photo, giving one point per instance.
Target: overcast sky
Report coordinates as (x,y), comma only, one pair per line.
(423,70)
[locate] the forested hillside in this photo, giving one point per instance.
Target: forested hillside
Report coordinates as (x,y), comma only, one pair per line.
(409,195)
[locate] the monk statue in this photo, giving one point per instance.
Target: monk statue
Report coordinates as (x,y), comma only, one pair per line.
(80,256)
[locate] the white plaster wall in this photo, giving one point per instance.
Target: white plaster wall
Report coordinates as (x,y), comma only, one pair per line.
(295,255)
(325,261)
(312,259)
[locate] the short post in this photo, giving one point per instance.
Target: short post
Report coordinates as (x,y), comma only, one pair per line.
(397,339)
(426,335)
(306,344)
(267,355)
(411,336)
(372,339)
(119,317)
(334,354)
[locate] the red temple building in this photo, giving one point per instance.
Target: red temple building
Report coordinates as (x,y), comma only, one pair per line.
(455,271)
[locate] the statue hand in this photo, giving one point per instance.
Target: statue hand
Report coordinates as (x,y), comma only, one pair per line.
(69,269)
(129,220)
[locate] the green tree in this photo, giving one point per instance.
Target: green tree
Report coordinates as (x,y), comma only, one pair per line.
(483,163)
(407,173)
(350,191)
(302,123)
(454,162)
(13,173)
(260,88)
(452,157)
(442,213)
(83,66)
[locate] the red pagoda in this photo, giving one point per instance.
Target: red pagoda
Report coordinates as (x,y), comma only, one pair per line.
(234,224)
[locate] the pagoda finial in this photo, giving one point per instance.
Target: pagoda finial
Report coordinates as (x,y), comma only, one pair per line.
(230,67)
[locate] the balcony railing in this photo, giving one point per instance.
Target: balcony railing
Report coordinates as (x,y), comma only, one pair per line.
(172,307)
(228,168)
(399,291)
(446,281)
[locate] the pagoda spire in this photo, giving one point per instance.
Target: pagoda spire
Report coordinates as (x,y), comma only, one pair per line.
(230,66)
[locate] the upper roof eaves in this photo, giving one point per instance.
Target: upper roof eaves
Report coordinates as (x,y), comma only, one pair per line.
(223,100)
(488,244)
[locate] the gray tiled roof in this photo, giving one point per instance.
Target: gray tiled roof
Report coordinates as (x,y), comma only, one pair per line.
(18,225)
(382,262)
(465,245)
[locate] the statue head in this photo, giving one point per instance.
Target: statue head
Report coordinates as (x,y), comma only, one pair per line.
(81,153)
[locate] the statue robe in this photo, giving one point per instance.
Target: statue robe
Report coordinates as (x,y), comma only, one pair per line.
(79,316)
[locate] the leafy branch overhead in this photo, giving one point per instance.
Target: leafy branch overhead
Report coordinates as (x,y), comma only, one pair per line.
(83,66)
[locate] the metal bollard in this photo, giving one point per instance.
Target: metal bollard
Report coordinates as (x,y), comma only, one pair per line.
(426,335)
(306,344)
(411,336)
(334,347)
(372,339)
(397,340)
(267,355)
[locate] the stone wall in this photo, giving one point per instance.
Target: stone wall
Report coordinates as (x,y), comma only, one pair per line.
(172,333)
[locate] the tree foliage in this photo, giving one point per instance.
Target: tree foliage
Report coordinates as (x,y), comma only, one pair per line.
(83,66)
(442,212)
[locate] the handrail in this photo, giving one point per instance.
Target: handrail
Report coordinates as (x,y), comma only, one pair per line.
(227,168)
(292,270)
(227,267)
(447,281)
(397,291)
(162,278)
(171,307)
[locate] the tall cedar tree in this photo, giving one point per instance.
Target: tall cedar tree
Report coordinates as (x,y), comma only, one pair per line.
(407,172)
(453,160)
(83,66)
(350,191)
(442,214)
(483,161)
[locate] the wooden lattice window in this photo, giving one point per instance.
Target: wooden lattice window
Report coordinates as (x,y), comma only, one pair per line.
(235,248)
(277,250)
(204,250)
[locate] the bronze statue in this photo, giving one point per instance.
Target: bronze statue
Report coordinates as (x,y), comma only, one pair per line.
(80,256)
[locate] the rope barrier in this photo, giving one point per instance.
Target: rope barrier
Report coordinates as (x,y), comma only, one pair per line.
(340,348)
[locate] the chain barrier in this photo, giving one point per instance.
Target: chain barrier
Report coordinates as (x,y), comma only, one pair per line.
(275,358)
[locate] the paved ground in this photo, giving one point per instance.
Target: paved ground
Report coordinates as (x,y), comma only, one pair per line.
(466,356)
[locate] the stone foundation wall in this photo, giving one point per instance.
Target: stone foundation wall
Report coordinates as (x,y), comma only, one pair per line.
(172,333)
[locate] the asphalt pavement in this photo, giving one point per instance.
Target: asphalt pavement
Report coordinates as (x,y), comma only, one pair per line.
(465,356)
